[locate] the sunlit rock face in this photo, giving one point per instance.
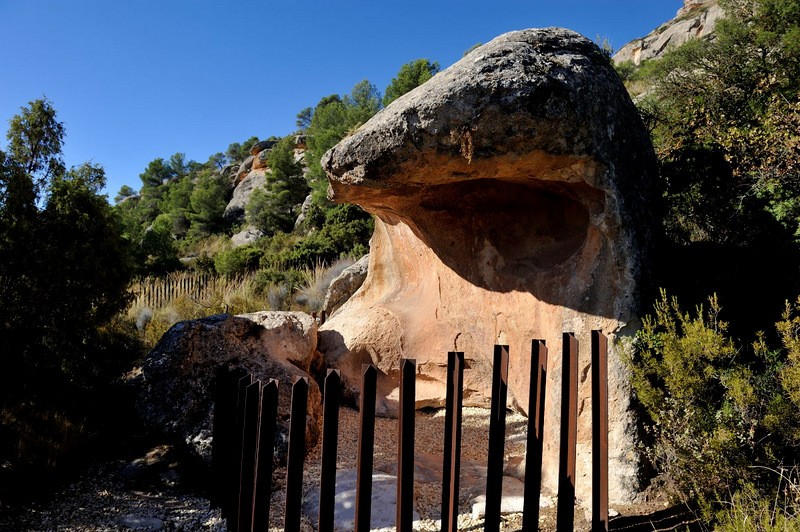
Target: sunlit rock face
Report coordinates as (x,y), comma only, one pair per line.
(513,200)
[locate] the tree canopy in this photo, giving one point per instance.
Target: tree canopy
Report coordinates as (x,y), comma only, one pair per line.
(411,76)
(64,265)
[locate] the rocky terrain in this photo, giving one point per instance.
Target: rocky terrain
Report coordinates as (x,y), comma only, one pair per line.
(149,493)
(695,20)
(512,198)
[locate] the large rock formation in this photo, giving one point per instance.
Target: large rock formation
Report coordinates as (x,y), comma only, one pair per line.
(251,174)
(512,194)
(235,210)
(178,394)
(695,20)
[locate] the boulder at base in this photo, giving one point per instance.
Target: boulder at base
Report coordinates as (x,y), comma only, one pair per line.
(513,195)
(179,373)
(345,285)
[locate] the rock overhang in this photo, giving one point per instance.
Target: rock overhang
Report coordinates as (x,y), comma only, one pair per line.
(513,195)
(538,113)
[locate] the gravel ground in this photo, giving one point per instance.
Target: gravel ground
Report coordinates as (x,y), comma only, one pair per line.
(103,500)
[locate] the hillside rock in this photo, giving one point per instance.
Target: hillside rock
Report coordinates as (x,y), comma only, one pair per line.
(304,208)
(513,198)
(345,285)
(235,210)
(260,160)
(261,146)
(178,391)
(246,236)
(244,169)
(695,20)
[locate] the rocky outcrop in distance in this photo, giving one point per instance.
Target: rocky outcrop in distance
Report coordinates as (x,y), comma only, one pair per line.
(695,20)
(250,175)
(513,197)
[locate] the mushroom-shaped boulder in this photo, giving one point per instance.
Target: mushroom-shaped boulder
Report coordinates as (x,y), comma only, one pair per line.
(513,196)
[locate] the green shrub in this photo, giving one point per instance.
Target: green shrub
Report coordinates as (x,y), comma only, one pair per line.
(717,413)
(237,260)
(750,510)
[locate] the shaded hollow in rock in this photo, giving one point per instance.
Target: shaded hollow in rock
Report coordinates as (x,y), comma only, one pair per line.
(513,199)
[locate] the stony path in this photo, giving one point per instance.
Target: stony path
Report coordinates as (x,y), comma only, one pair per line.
(105,498)
(101,500)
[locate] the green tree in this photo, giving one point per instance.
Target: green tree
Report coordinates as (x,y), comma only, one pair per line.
(157,173)
(410,76)
(333,117)
(124,192)
(727,112)
(304,118)
(207,204)
(276,207)
(64,265)
(35,138)
(237,153)
(718,416)
(179,166)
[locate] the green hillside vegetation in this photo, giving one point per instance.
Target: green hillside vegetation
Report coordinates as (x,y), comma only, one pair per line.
(719,386)
(68,262)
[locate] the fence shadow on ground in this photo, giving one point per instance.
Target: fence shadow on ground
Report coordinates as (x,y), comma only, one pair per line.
(678,517)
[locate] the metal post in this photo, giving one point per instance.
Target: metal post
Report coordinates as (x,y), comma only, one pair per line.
(224,429)
(451,467)
(405,449)
(330,435)
(497,439)
(599,432)
(296,455)
(249,456)
(569,431)
(218,430)
(236,461)
(266,451)
(535,440)
(366,444)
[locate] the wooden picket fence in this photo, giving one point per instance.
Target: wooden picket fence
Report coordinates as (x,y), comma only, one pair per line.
(157,292)
(244,437)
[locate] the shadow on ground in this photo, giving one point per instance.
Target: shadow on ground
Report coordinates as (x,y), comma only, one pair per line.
(679,517)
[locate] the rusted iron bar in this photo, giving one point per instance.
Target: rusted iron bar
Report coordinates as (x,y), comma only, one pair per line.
(249,458)
(218,429)
(535,440)
(366,444)
(599,432)
(451,467)
(497,439)
(569,431)
(266,451)
(405,448)
(330,443)
(296,455)
(236,462)
(223,433)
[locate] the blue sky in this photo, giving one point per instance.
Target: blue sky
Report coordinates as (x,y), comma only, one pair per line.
(138,79)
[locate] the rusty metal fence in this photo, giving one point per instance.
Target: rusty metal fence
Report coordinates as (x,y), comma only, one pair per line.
(245,424)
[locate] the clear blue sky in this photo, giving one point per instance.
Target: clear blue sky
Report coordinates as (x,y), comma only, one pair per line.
(138,79)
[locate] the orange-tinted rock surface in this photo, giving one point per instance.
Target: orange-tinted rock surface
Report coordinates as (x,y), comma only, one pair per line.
(513,198)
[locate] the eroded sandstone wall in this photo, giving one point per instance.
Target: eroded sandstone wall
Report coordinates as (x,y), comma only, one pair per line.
(513,200)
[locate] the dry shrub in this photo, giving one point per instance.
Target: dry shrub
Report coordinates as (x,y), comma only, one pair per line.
(311,297)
